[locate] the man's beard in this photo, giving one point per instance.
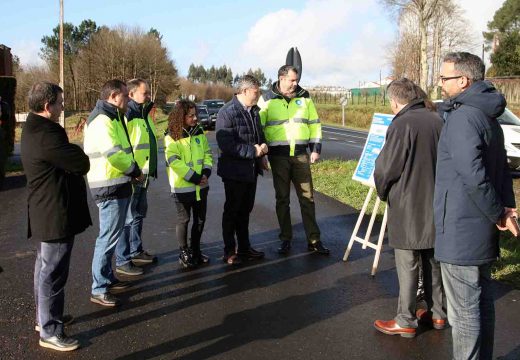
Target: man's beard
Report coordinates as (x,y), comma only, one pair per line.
(290,94)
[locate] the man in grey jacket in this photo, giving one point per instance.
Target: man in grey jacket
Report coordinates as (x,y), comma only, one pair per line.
(473,194)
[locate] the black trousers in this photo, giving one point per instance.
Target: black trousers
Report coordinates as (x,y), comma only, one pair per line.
(184,210)
(240,199)
(51,271)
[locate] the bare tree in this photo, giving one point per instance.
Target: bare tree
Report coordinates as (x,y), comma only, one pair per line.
(423,11)
(428,29)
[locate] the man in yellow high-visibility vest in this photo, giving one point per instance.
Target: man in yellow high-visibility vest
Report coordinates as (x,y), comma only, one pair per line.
(112,168)
(143,139)
(291,126)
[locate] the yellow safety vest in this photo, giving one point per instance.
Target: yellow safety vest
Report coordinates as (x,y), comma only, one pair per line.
(185,157)
(289,124)
(107,146)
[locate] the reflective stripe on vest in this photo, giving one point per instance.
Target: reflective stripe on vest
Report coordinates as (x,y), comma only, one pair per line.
(279,143)
(295,120)
(142,147)
(173,158)
(187,189)
(110,152)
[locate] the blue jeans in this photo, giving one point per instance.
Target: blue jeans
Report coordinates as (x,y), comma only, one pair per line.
(51,271)
(130,243)
(471,310)
(112,214)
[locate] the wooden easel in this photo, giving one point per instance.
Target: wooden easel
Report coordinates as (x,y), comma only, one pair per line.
(365,241)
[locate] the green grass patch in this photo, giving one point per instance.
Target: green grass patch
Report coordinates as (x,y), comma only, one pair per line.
(356,116)
(161,123)
(13,167)
(334,178)
(507,268)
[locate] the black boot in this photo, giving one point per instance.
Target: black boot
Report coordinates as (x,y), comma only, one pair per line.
(318,248)
(200,259)
(185,258)
(284,248)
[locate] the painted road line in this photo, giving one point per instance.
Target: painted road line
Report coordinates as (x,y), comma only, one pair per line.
(362,132)
(343,134)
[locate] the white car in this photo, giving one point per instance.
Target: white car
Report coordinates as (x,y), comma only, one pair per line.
(511,127)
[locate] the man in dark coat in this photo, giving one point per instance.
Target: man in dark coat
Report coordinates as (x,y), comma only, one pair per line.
(473,193)
(242,148)
(404,177)
(57,205)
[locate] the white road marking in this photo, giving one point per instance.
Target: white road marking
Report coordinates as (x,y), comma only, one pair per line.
(343,134)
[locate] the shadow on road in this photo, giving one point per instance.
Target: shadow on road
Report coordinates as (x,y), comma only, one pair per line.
(274,320)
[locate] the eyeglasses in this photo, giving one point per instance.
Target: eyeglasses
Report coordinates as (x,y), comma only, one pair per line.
(446,78)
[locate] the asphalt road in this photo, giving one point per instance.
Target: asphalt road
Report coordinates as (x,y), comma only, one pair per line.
(340,143)
(302,306)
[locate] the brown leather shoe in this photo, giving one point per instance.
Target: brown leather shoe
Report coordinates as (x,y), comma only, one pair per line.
(439,324)
(424,316)
(390,327)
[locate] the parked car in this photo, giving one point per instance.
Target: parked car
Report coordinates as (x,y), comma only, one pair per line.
(214,106)
(510,124)
(203,116)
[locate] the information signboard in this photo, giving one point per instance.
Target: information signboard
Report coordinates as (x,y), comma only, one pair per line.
(375,140)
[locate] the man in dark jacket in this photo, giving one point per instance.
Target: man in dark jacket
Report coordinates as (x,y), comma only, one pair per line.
(404,177)
(242,148)
(473,192)
(57,205)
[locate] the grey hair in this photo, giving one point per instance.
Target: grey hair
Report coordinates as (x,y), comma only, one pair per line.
(403,91)
(284,70)
(42,93)
(134,84)
(247,82)
(466,64)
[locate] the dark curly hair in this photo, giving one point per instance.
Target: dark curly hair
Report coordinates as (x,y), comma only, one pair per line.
(176,117)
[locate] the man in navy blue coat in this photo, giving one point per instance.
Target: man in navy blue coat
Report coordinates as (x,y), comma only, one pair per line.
(242,148)
(473,194)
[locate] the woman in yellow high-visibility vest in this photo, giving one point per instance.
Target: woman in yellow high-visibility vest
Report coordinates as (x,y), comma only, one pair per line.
(189,160)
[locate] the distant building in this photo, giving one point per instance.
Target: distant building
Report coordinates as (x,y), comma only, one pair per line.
(371,87)
(332,90)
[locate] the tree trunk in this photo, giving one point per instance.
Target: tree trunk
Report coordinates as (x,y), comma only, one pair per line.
(74,88)
(424,54)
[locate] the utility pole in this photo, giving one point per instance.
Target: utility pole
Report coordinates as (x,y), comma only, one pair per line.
(483,53)
(62,82)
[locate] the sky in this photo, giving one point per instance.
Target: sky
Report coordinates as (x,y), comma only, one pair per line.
(342,42)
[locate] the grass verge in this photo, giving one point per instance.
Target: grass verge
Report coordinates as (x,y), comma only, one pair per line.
(334,178)
(13,166)
(356,116)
